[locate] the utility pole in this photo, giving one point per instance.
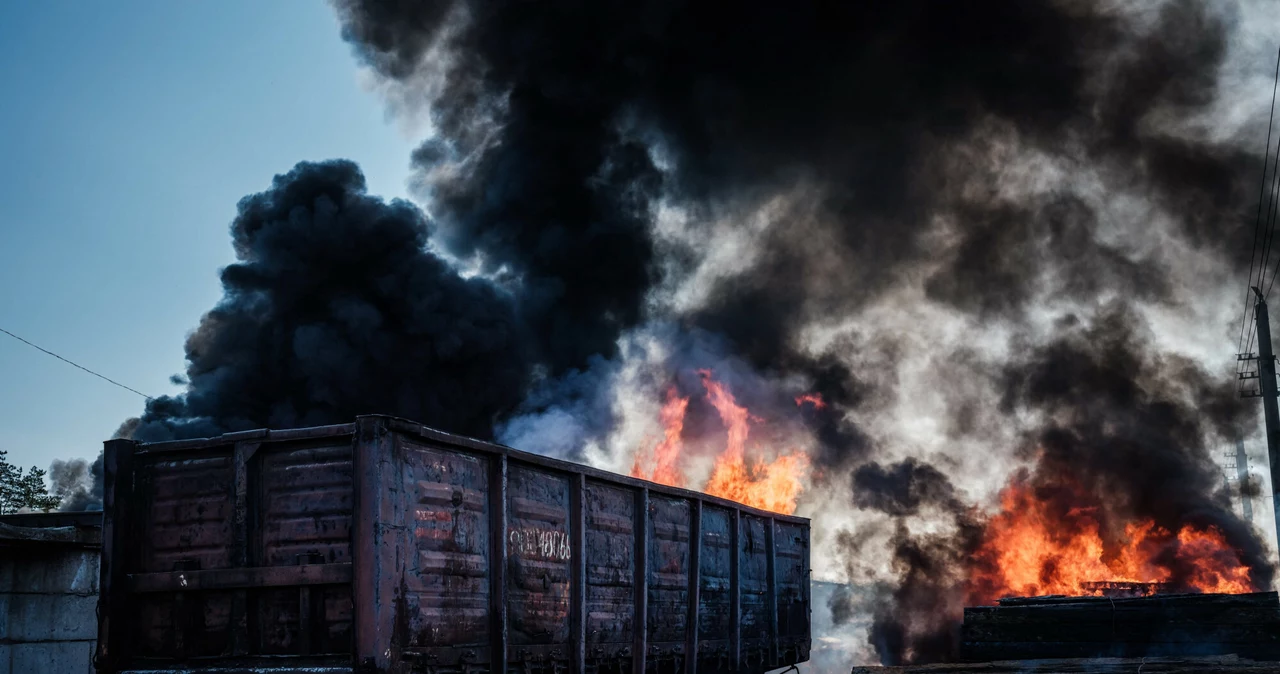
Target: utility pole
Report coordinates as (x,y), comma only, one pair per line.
(1266,376)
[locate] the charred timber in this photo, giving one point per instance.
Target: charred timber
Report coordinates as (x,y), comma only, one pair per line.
(1092,627)
(1112,588)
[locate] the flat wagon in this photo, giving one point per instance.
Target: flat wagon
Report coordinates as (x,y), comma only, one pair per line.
(385,546)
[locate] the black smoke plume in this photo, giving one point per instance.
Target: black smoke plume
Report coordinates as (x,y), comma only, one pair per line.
(903,488)
(561,126)
(1130,427)
(894,117)
(553,120)
(335,308)
(915,618)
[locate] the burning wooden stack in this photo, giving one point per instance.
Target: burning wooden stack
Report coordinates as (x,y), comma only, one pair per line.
(1123,625)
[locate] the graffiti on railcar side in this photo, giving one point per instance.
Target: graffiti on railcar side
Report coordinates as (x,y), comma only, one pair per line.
(539,543)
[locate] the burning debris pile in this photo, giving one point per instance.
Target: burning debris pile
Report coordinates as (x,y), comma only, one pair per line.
(950,278)
(1026,550)
(1117,488)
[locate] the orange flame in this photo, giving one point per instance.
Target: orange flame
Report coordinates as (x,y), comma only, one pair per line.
(1030,549)
(734,416)
(667,454)
(1216,567)
(769,486)
(772,486)
(814,399)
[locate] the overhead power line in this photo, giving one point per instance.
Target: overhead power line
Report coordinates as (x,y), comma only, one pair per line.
(1270,217)
(68,362)
(1257,226)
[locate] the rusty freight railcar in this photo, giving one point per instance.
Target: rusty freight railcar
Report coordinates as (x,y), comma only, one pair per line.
(386,546)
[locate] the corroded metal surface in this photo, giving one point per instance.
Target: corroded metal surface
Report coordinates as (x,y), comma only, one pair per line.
(538,568)
(385,546)
(304,498)
(668,582)
(715,624)
(754,573)
(610,572)
(791,551)
(446,594)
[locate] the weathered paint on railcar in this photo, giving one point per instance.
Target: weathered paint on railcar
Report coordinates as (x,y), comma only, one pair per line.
(668,579)
(716,618)
(791,570)
(446,592)
(385,546)
(538,564)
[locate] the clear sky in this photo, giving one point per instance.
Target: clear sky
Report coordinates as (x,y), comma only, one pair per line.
(128,132)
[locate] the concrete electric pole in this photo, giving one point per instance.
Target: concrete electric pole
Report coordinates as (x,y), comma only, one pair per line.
(1266,376)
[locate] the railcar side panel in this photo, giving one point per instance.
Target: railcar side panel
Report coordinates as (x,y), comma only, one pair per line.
(753,567)
(538,559)
(446,594)
(791,550)
(714,622)
(187,513)
(668,570)
(304,497)
(611,541)
(383,546)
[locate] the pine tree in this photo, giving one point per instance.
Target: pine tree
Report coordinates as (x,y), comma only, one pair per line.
(10,485)
(35,493)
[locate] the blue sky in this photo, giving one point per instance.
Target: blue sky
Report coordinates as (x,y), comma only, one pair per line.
(128,132)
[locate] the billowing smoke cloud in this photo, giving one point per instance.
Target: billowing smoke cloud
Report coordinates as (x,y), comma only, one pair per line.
(335,308)
(993,237)
(563,131)
(537,107)
(77,483)
(914,617)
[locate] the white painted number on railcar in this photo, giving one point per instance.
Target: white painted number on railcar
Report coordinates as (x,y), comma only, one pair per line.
(539,543)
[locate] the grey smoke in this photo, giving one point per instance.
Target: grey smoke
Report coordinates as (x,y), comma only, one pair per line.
(78,483)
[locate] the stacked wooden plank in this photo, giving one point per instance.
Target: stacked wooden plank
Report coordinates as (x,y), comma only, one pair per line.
(1026,628)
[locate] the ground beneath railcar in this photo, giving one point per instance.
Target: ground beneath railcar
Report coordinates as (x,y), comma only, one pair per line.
(1185,665)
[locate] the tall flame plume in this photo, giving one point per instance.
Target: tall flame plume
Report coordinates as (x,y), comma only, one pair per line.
(748,478)
(1033,546)
(662,465)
